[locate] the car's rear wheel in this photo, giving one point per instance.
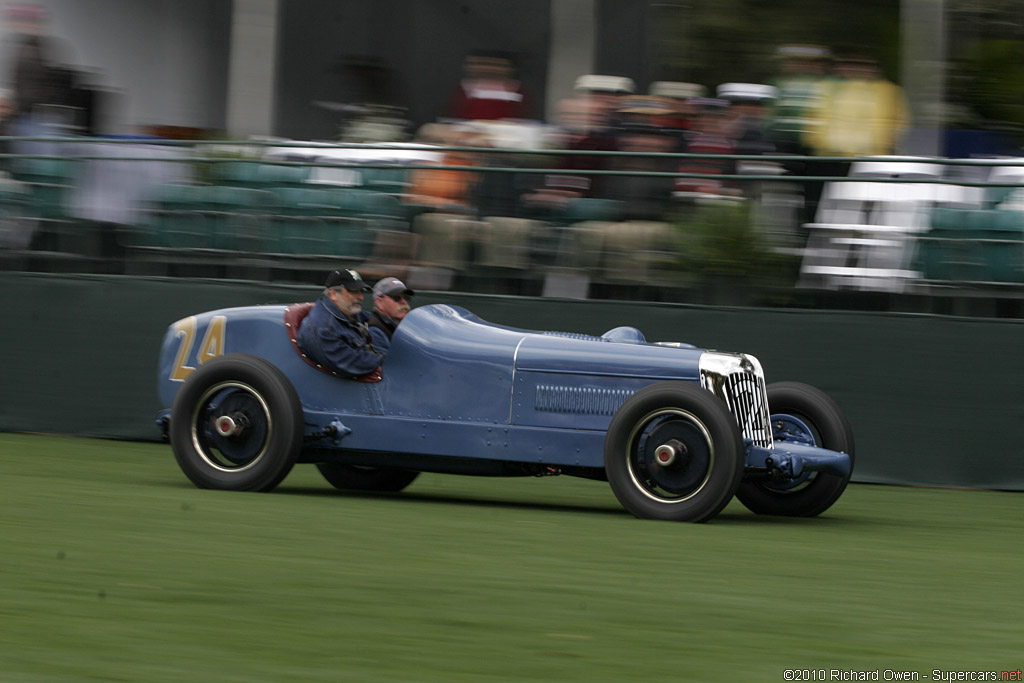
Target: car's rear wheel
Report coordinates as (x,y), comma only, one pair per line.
(674,452)
(359,478)
(236,424)
(804,414)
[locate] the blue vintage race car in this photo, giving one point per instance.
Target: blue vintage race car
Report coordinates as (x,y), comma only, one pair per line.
(676,431)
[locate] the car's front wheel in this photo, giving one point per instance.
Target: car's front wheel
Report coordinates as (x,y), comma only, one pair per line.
(236,424)
(674,452)
(803,414)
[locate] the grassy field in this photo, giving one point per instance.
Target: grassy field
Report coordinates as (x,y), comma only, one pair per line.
(114,568)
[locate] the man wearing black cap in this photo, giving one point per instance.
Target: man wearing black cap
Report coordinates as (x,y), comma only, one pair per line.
(391,301)
(336,333)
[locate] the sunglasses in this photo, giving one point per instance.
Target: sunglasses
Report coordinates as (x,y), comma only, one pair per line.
(398,297)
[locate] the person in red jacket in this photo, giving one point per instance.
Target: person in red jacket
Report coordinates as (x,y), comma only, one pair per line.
(488,90)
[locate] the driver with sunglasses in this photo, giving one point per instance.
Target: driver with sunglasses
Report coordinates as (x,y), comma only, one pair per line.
(391,303)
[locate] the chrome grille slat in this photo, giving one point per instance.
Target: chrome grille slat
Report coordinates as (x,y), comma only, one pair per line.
(739,381)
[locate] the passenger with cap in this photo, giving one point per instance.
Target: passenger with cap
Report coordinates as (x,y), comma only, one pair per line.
(336,334)
(391,303)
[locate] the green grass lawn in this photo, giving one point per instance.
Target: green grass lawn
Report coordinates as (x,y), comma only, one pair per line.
(113,567)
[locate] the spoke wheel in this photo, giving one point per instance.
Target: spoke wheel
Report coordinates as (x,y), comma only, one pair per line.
(236,424)
(674,452)
(801,414)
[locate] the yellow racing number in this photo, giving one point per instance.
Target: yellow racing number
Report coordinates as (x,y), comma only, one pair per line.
(211,346)
(213,340)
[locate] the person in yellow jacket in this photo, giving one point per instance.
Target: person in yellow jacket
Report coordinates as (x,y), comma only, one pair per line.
(861,113)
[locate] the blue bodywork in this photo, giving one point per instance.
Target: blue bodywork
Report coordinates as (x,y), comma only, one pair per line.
(457,387)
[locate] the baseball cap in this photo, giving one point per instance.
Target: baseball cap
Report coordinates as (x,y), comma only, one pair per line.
(390,286)
(602,83)
(347,278)
(746,92)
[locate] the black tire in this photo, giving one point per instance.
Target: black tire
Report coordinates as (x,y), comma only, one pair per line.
(358,478)
(707,454)
(236,425)
(811,495)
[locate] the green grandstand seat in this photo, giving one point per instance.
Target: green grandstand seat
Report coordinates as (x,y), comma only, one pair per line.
(392,180)
(949,221)
(236,217)
(177,219)
(240,173)
(356,216)
(368,204)
(942,251)
(49,181)
(591,209)
(273,176)
(979,245)
(1009,220)
(297,221)
(1002,246)
(17,215)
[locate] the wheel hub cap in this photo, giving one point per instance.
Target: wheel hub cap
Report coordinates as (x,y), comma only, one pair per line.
(225,425)
(672,456)
(231,425)
(667,453)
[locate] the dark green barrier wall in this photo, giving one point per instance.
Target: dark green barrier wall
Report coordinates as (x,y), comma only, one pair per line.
(932,400)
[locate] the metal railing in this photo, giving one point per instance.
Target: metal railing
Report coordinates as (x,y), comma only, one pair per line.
(820,252)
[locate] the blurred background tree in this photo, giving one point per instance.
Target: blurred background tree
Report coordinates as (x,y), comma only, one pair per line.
(986,55)
(717,41)
(720,41)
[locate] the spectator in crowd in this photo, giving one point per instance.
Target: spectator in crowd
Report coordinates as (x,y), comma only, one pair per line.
(861,113)
(440,189)
(33,84)
(710,136)
(586,123)
(390,303)
(580,126)
(488,90)
(804,74)
(605,93)
(603,96)
(678,96)
(747,125)
(748,131)
(643,197)
(47,97)
(336,334)
(6,115)
(799,90)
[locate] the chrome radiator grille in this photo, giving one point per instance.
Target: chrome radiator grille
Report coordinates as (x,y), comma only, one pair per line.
(738,380)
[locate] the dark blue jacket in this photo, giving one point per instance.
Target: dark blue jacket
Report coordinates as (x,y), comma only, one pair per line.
(329,338)
(383,323)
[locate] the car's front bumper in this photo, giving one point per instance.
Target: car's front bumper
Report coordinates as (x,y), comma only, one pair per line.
(790,460)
